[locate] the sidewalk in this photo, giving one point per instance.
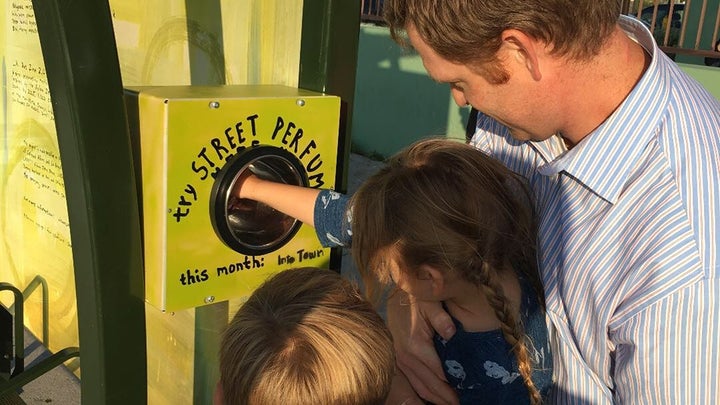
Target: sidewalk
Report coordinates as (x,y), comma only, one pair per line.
(359,169)
(59,386)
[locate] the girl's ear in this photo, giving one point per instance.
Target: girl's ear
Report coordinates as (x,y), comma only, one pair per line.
(435,278)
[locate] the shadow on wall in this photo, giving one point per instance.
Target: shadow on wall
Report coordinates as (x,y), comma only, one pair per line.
(396,102)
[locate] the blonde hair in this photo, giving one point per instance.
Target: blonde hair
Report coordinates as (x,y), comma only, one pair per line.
(445,204)
(306,337)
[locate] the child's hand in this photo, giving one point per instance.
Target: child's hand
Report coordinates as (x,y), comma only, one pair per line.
(250,189)
(245,185)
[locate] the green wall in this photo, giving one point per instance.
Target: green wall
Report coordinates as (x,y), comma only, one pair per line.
(397,103)
(706,75)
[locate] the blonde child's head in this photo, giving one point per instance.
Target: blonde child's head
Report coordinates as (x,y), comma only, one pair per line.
(306,337)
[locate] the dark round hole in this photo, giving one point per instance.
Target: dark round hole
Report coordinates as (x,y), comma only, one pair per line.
(247,226)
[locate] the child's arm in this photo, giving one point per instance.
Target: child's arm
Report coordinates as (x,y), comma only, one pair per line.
(324,210)
(295,201)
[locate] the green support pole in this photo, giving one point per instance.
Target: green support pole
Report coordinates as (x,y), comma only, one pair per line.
(210,320)
(328,64)
(205,39)
(83,72)
(328,60)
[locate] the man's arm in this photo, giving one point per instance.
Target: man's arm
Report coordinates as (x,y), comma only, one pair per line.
(672,350)
(401,392)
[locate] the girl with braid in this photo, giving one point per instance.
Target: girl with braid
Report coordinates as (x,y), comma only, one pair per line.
(444,222)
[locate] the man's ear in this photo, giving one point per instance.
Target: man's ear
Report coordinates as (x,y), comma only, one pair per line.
(524,49)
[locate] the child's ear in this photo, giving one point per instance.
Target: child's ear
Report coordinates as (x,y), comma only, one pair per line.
(436,279)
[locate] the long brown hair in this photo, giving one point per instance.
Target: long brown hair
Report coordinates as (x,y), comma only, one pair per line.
(445,204)
(307,336)
(469,31)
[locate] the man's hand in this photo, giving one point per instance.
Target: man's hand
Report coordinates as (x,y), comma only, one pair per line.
(412,323)
(401,392)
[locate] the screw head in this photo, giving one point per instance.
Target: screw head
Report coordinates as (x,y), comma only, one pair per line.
(300,102)
(214,104)
(209,299)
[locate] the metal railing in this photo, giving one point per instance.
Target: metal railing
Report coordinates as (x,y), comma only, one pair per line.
(669,21)
(371,11)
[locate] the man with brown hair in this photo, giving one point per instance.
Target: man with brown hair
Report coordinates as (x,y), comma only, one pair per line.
(622,150)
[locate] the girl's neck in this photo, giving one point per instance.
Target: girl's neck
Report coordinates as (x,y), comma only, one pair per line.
(468,303)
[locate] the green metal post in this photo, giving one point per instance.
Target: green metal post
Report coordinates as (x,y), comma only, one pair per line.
(83,72)
(328,64)
(328,59)
(210,320)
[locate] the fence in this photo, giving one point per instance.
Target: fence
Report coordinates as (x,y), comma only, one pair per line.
(670,22)
(371,11)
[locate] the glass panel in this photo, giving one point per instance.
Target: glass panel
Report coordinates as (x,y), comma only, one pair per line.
(35,244)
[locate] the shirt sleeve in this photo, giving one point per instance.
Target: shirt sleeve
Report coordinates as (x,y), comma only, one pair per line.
(333,219)
(670,352)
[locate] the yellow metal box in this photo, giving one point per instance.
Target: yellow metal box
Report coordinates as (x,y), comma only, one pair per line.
(191,143)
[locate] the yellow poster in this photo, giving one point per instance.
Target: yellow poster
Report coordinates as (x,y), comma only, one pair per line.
(35,244)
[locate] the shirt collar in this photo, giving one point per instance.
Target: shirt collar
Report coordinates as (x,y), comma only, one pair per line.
(603,160)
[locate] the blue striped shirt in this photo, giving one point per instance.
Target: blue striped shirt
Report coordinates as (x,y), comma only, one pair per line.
(629,244)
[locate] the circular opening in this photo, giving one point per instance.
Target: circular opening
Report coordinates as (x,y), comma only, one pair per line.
(248,226)
(253,223)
